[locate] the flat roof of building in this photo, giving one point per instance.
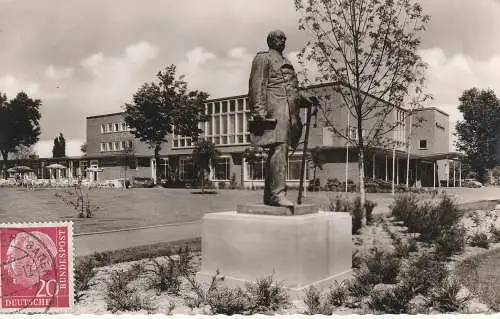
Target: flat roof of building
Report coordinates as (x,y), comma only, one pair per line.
(436,109)
(104,115)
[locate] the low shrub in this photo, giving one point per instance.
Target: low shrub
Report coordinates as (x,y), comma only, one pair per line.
(369,206)
(391,299)
(495,234)
(356,260)
(383,267)
(333,185)
(84,272)
(451,241)
(102,259)
(447,296)
(233,184)
(404,205)
(263,296)
(361,284)
(163,276)
(313,302)
(337,294)
(316,303)
(201,295)
(266,295)
(314,185)
(428,220)
(226,301)
(121,297)
(422,271)
(448,213)
(403,248)
(340,204)
(344,204)
(479,239)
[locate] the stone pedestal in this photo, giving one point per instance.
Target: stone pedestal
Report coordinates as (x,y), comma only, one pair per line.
(302,250)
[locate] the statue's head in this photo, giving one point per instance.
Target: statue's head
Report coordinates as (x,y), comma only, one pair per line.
(276,40)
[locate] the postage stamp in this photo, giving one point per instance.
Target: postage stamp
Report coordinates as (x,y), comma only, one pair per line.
(36,267)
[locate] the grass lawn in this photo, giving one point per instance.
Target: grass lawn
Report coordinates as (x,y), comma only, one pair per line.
(121,209)
(481,275)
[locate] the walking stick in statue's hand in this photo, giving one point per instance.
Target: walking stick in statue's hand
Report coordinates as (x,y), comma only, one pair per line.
(310,107)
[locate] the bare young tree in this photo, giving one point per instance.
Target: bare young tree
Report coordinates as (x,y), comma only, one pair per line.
(369,49)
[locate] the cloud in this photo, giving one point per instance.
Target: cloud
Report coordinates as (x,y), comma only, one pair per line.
(113,79)
(11,86)
(55,73)
(219,76)
(450,75)
(44,147)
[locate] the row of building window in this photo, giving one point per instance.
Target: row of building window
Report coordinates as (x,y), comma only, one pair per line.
(116,146)
(254,171)
(227,124)
(114,127)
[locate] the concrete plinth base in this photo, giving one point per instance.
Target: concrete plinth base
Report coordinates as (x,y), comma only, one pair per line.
(302,250)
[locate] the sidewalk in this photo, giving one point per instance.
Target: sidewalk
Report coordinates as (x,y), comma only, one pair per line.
(87,244)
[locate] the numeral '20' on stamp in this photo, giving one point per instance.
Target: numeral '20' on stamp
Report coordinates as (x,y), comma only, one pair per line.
(36,271)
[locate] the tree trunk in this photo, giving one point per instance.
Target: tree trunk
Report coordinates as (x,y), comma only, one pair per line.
(5,154)
(203,181)
(408,156)
(361,169)
(157,166)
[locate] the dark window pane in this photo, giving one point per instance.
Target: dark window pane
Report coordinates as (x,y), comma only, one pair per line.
(240,104)
(222,169)
(294,169)
(232,105)
(240,123)
(224,107)
(232,122)
(217,108)
(224,124)
(217,125)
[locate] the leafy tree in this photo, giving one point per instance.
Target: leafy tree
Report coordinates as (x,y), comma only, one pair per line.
(204,153)
(59,148)
(83,148)
(495,173)
(19,122)
(317,160)
(24,152)
(478,133)
(253,155)
(158,107)
(127,159)
(369,48)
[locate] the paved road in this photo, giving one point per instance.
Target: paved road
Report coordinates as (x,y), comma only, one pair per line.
(86,244)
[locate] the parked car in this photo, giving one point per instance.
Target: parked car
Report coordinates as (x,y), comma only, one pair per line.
(472,183)
(142,182)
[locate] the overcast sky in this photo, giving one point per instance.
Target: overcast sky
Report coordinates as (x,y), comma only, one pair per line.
(87,57)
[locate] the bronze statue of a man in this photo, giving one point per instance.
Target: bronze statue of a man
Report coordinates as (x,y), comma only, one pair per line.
(275,101)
